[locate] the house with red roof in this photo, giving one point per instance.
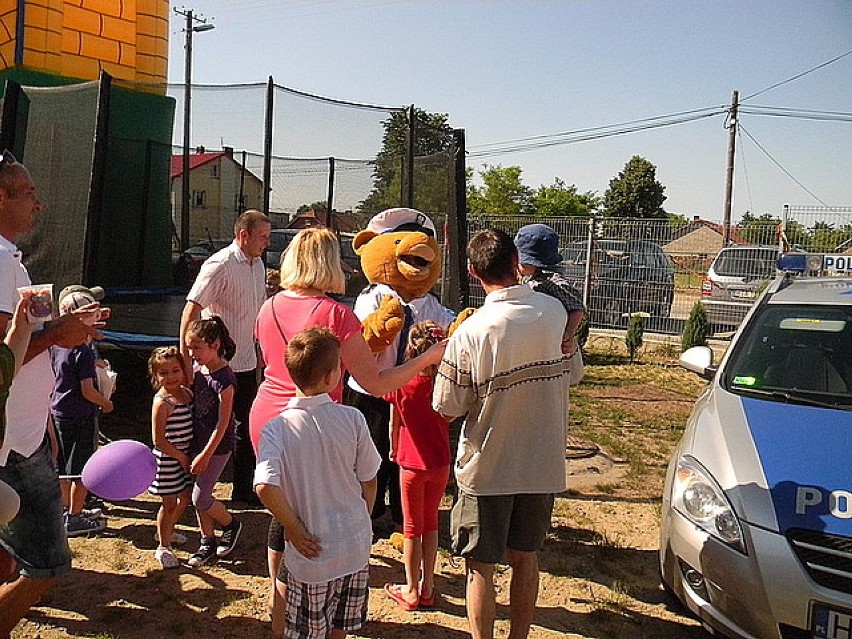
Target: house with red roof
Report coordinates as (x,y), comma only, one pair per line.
(220,189)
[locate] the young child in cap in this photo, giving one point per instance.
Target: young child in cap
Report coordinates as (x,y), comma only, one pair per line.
(316,473)
(75,406)
(538,256)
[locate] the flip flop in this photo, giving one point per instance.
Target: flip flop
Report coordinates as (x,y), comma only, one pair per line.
(429,602)
(392,591)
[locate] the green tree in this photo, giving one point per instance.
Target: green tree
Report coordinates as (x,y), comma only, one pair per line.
(432,135)
(635,192)
(502,193)
(697,328)
(316,206)
(558,199)
(633,338)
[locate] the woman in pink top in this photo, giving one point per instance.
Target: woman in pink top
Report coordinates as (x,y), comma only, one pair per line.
(311,268)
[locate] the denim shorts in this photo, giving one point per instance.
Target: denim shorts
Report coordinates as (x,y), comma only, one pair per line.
(36,536)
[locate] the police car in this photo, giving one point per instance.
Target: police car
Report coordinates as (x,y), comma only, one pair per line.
(756,525)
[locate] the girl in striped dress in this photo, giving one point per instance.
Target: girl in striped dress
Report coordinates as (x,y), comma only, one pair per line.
(171,428)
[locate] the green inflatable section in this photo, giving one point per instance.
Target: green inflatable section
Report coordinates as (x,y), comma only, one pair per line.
(133,238)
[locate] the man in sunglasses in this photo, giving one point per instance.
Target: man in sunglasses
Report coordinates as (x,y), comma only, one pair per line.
(33,546)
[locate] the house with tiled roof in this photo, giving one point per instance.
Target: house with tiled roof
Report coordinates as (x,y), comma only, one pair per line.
(220,189)
(700,237)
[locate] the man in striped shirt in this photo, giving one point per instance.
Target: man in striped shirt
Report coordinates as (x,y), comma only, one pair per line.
(232,285)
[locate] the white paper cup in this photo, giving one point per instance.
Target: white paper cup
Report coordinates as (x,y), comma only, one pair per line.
(39,308)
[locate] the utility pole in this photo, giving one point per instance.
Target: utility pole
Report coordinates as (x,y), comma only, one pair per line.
(729,182)
(190,28)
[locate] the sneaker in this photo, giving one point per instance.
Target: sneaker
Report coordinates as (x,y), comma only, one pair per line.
(206,553)
(178,538)
(229,538)
(166,557)
(77,525)
(92,513)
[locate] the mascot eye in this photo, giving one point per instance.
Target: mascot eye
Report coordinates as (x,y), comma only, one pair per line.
(397,241)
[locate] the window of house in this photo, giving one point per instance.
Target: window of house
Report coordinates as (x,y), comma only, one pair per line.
(199,198)
(214,170)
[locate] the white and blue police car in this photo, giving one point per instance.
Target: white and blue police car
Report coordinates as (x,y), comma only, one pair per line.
(756,524)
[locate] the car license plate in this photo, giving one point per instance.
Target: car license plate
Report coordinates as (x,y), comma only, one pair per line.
(749,295)
(831,623)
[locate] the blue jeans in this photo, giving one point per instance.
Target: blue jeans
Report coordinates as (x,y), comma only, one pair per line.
(36,536)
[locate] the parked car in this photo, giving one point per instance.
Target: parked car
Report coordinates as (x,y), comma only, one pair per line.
(628,276)
(735,278)
(756,520)
(185,268)
(279,240)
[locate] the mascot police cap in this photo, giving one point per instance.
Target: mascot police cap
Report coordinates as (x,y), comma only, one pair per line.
(401,219)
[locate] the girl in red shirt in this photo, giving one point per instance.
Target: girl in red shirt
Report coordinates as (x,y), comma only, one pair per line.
(420,444)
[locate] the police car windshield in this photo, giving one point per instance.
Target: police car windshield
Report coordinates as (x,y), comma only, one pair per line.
(795,353)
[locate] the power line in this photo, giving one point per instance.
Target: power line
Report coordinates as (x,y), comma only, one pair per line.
(798,75)
(585,135)
(786,172)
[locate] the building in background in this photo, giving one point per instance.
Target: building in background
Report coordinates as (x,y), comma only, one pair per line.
(220,189)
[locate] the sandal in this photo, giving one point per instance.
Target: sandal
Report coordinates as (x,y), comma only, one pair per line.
(428,602)
(392,591)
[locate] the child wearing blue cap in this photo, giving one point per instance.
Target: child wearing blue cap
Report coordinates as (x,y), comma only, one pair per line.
(538,257)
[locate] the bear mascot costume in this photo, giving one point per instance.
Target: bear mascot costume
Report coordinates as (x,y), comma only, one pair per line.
(401,259)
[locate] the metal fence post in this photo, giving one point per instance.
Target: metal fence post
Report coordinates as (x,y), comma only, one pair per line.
(267,146)
(590,240)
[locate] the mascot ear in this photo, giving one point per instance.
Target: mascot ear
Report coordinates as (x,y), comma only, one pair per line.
(361,239)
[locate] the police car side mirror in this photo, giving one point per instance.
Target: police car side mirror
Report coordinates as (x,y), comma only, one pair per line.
(699,359)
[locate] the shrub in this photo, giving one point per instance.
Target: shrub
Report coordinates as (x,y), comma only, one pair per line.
(633,338)
(697,328)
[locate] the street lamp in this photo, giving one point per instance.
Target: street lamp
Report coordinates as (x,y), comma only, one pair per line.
(190,28)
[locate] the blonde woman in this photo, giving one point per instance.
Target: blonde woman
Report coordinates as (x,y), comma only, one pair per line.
(310,269)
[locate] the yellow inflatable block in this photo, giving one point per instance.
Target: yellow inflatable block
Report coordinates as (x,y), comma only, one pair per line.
(79,38)
(99,48)
(120,30)
(83,20)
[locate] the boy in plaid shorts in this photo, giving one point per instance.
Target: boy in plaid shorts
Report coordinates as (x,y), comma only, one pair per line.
(316,473)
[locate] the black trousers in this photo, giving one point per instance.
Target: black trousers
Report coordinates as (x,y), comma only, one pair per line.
(244,460)
(377,413)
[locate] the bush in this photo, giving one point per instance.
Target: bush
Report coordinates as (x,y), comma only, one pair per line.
(697,328)
(633,338)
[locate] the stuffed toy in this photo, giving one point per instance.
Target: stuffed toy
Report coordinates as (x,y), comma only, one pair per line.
(399,255)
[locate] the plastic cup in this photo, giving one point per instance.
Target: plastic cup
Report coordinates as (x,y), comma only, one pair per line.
(39,308)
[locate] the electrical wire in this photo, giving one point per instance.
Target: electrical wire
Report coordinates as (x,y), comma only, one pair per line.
(585,135)
(797,76)
(745,172)
(787,173)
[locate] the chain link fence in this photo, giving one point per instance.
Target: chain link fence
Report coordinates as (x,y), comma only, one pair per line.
(662,268)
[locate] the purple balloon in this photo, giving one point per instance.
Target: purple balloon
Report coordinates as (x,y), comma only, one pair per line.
(120,470)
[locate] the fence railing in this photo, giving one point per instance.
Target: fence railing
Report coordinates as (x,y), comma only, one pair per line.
(662,268)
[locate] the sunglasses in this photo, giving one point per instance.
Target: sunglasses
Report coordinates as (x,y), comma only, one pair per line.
(7,159)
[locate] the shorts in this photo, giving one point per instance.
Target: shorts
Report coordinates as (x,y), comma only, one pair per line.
(275,536)
(77,439)
(313,610)
(483,527)
(35,538)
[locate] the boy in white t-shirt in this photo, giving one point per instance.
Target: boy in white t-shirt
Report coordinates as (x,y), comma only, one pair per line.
(316,473)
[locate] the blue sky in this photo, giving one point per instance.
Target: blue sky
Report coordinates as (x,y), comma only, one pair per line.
(513,70)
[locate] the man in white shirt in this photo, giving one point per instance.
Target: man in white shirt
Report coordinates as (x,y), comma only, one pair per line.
(33,545)
(232,285)
(504,370)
